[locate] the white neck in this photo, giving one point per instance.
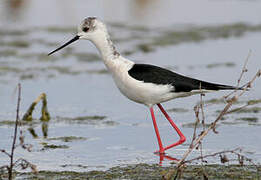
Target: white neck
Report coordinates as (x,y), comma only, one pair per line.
(104,44)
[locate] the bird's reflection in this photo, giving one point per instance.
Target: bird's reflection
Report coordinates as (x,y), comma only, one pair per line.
(164,156)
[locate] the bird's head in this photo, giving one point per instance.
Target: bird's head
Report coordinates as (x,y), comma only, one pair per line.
(90,29)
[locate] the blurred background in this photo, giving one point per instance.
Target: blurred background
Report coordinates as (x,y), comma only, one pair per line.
(92,125)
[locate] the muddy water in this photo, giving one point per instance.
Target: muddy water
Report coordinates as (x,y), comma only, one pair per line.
(92,125)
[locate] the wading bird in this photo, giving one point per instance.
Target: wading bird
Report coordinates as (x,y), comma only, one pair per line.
(143,83)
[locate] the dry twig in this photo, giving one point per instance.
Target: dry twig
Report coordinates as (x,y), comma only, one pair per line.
(23,163)
(197,141)
(10,170)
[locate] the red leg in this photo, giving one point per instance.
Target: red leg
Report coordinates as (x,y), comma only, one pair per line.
(182,137)
(161,150)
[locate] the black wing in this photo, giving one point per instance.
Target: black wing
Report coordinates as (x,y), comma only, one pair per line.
(158,75)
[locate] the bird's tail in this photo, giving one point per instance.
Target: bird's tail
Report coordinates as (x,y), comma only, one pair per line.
(213,86)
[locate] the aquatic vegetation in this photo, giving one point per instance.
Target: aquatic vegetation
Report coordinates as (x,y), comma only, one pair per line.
(136,39)
(15,43)
(55,29)
(226,64)
(13,32)
(145,48)
(145,171)
(197,34)
(6,122)
(11,123)
(101,71)
(75,165)
(8,53)
(111,123)
(178,110)
(93,120)
(249,119)
(47,146)
(67,138)
(127,27)
(5,69)
(192,125)
(254,101)
(215,101)
(45,114)
(245,110)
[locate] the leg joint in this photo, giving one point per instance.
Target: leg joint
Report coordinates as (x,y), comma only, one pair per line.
(182,139)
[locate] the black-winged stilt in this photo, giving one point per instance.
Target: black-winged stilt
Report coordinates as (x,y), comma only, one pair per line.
(146,84)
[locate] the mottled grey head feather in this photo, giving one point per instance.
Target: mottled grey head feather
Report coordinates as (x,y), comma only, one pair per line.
(88,24)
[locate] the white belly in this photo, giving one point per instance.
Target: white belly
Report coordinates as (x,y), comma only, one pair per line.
(138,91)
(145,93)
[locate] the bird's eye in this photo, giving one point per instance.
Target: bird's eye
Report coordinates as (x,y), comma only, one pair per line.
(85,29)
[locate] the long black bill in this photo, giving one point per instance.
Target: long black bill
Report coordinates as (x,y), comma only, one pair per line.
(66,44)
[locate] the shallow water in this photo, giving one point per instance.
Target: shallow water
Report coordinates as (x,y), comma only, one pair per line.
(92,125)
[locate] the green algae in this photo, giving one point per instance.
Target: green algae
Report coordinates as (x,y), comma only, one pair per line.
(27,76)
(55,29)
(9,69)
(248,119)
(12,123)
(7,122)
(145,171)
(16,44)
(178,110)
(140,38)
(232,122)
(245,110)
(75,165)
(196,34)
(220,101)
(47,146)
(67,139)
(215,101)
(129,27)
(13,32)
(192,125)
(49,71)
(99,71)
(92,120)
(87,118)
(110,123)
(8,53)
(226,64)
(145,48)
(128,52)
(255,101)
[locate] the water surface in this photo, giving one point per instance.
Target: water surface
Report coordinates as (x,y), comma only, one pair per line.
(92,125)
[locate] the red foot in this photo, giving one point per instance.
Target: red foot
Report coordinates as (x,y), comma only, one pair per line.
(164,156)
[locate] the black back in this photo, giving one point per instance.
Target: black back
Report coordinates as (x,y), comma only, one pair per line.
(157,75)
